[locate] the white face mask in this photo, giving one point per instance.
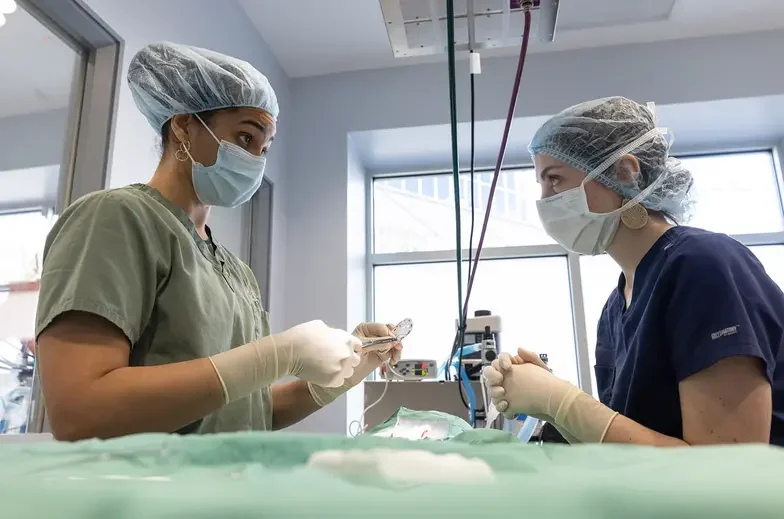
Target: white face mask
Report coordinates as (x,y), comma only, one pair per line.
(568,220)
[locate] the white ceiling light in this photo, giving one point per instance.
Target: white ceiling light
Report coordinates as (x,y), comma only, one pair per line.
(419,27)
(7,6)
(2,20)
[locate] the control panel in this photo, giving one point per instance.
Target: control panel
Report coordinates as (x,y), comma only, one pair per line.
(411,369)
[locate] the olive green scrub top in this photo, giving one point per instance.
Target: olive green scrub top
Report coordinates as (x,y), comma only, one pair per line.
(132,257)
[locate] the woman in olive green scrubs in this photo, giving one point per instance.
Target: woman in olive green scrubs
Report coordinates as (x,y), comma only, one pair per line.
(146,323)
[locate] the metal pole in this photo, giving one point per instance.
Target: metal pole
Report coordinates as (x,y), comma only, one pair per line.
(36,413)
(580,328)
(471,25)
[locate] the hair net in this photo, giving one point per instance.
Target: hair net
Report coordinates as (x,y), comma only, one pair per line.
(586,135)
(167,79)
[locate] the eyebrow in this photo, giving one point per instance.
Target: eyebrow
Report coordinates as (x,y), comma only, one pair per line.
(257,124)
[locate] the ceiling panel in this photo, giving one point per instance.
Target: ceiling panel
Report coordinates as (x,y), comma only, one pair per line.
(587,14)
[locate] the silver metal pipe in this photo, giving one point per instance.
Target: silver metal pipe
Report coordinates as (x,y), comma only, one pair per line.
(471,25)
(37,413)
(548,18)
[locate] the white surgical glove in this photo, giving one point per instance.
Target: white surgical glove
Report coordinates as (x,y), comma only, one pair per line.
(520,385)
(312,351)
(370,361)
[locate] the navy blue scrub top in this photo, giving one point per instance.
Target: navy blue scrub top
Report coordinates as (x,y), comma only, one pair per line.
(698,298)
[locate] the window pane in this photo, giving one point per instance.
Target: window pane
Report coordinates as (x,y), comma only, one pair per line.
(772,258)
(530,295)
(736,193)
(429,187)
(599,277)
(24,235)
(408,222)
(444,188)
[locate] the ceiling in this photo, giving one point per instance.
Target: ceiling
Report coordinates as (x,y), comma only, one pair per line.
(36,67)
(316,37)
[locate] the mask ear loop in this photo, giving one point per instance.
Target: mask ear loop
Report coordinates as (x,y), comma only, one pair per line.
(208,128)
(620,153)
(187,148)
(648,190)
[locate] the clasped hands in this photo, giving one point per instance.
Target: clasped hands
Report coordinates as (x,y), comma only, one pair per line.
(523,384)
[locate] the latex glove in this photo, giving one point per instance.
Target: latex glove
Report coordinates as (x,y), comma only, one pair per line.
(520,385)
(522,357)
(370,361)
(312,351)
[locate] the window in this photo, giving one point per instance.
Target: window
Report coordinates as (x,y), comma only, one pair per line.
(736,194)
(535,291)
(25,233)
(416,220)
(526,278)
(71,101)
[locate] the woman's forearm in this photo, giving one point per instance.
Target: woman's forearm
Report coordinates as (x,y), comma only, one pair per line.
(626,430)
(291,403)
(132,400)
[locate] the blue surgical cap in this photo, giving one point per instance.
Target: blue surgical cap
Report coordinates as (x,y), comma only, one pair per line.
(167,79)
(586,135)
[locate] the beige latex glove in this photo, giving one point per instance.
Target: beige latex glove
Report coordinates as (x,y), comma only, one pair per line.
(369,362)
(312,351)
(521,385)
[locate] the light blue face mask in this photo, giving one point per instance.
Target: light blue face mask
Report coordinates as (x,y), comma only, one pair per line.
(232,180)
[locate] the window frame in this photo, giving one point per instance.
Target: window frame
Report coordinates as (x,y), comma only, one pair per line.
(86,162)
(580,326)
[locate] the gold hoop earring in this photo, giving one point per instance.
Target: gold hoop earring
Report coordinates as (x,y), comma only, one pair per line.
(183,154)
(636,217)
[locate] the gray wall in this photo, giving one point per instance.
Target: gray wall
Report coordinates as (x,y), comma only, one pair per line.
(328,108)
(222,26)
(31,150)
(29,141)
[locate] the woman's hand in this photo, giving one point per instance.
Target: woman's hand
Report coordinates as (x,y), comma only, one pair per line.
(523,384)
(372,360)
(524,356)
(369,361)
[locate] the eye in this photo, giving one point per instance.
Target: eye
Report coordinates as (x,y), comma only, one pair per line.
(553,180)
(246,139)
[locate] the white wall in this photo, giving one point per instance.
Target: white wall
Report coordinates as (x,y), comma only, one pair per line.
(335,418)
(224,27)
(319,196)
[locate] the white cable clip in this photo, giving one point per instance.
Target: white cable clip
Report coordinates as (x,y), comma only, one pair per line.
(474,63)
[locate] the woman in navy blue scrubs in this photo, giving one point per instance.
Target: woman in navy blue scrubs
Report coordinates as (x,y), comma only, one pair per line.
(690,344)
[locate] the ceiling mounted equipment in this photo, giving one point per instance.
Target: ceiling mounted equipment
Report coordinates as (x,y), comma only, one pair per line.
(418,27)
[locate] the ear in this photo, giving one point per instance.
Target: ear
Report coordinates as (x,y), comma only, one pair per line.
(627,169)
(180,127)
